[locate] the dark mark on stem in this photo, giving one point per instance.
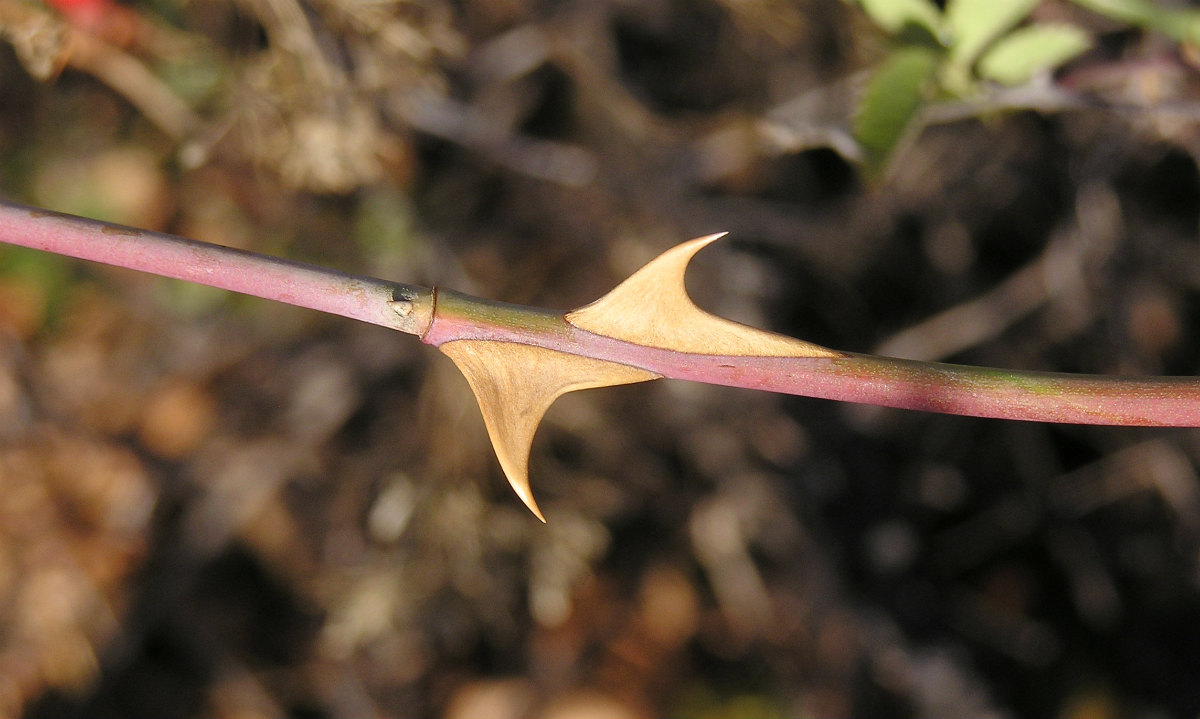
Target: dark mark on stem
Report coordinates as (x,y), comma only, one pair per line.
(115,230)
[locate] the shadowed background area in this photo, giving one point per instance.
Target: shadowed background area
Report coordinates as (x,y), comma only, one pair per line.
(213,505)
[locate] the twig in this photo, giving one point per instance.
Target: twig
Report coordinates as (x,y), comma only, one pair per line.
(361,298)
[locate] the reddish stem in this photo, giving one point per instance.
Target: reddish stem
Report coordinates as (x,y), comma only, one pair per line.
(360,298)
(884,381)
(930,386)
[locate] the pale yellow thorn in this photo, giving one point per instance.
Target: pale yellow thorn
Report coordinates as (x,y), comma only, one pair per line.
(652,308)
(515,384)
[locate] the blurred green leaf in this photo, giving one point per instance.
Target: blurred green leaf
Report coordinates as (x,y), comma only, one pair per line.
(195,78)
(383,221)
(46,270)
(1180,24)
(385,229)
(48,275)
(893,97)
(704,702)
(191,300)
(1022,54)
(895,15)
(974,24)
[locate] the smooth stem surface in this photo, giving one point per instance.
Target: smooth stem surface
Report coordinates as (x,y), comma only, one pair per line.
(402,307)
(929,386)
(964,390)
(851,377)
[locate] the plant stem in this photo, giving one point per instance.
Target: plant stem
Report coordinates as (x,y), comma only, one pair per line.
(447,316)
(360,298)
(850,377)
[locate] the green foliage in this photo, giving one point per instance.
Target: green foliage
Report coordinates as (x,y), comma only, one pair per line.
(972,24)
(1020,55)
(893,97)
(970,42)
(708,703)
(197,77)
(34,286)
(384,225)
(896,15)
(961,52)
(1178,24)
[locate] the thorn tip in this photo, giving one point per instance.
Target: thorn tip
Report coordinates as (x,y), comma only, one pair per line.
(534,508)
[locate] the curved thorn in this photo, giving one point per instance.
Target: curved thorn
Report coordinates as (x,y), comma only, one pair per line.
(515,384)
(652,308)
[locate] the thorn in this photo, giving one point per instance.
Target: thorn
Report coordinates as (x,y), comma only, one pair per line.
(527,498)
(515,384)
(652,308)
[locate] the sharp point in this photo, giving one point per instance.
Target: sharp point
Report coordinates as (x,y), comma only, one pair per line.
(527,498)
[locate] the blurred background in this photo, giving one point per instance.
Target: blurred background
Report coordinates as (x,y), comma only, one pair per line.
(215,505)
